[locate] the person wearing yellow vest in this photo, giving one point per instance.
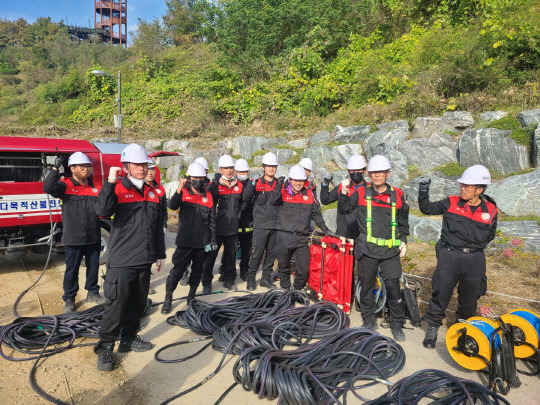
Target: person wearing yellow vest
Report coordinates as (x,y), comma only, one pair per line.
(383,220)
(469,224)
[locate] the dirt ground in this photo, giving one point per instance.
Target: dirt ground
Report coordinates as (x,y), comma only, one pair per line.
(72,375)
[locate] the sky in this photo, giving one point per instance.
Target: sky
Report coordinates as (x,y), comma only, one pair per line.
(76,12)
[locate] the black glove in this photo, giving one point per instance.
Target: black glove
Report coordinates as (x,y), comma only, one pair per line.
(58,162)
(281,179)
(424,184)
(327,179)
(256,178)
(217,176)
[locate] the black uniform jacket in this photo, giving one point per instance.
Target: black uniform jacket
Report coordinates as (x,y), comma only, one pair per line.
(137,226)
(297,210)
(228,204)
(246,217)
(196,219)
(79,219)
(346,223)
(264,214)
(461,226)
(381,214)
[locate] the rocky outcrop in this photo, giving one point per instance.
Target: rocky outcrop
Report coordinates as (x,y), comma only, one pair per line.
(246,146)
(319,155)
(167,161)
(351,134)
(401,124)
(298,143)
(173,172)
(282,156)
(528,231)
(492,148)
(450,121)
(457,120)
(490,116)
(320,138)
(428,153)
(424,127)
(330,217)
(342,153)
(175,145)
(152,144)
(536,147)
(529,118)
(518,195)
(424,229)
(380,142)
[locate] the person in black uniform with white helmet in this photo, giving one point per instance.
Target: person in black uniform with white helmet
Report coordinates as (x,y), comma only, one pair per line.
(469,224)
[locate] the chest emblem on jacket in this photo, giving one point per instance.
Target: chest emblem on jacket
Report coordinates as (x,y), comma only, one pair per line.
(158,191)
(485,216)
(151,194)
(94,190)
(235,188)
(305,198)
(204,199)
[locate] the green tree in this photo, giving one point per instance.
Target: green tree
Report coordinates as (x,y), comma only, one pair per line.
(149,38)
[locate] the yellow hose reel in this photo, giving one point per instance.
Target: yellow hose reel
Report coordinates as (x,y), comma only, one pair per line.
(469,342)
(526,329)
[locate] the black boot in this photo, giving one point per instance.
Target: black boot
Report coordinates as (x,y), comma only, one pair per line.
(370,322)
(267,282)
(191,295)
(396,326)
(167,303)
(431,337)
(185,278)
(251,284)
(243,273)
(105,360)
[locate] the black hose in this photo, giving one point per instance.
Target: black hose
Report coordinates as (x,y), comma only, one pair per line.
(449,390)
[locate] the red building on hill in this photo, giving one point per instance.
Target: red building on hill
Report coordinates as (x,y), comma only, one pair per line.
(111,17)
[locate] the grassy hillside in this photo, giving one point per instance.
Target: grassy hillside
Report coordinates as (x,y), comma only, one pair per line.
(266,67)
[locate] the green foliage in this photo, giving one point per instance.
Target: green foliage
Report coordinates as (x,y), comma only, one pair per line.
(509,122)
(523,136)
(451,169)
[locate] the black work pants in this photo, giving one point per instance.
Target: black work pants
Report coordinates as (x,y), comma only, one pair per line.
(246,241)
(181,259)
(126,290)
(468,272)
(390,273)
(288,245)
(229,260)
(263,240)
(74,255)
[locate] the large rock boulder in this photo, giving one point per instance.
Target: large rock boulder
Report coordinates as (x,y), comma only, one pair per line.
(330,218)
(518,195)
(175,145)
(173,172)
(529,118)
(339,176)
(226,145)
(320,138)
(319,155)
(528,231)
(428,153)
(245,146)
(490,116)
(424,229)
(399,172)
(401,124)
(351,134)
(536,147)
(283,170)
(378,143)
(190,155)
(212,156)
(272,142)
(298,143)
(441,187)
(167,161)
(342,153)
(492,148)
(153,144)
(424,127)
(457,120)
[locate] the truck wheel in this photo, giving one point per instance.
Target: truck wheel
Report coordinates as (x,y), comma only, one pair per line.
(104,254)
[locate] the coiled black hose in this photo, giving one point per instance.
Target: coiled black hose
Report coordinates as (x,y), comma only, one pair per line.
(205,318)
(449,390)
(294,326)
(321,372)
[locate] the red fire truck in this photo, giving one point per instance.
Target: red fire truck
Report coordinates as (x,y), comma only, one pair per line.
(29,218)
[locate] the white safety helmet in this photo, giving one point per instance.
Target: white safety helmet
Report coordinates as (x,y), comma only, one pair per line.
(297,172)
(134,153)
(78,158)
(196,170)
(241,165)
(270,159)
(226,161)
(378,163)
(306,163)
(475,175)
(356,162)
(151,165)
(202,161)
